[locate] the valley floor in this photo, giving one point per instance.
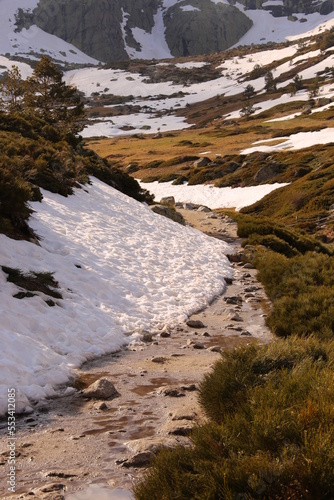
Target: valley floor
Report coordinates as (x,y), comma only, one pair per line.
(78,449)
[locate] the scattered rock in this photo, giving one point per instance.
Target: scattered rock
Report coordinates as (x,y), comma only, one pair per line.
(26,445)
(198,345)
(49,488)
(251,289)
(168,200)
(159,359)
(228,280)
(190,387)
(62,475)
(153,445)
(102,407)
(165,334)
(234,257)
(246,333)
(235,328)
(146,337)
(101,389)
(235,300)
(169,212)
(267,172)
(236,317)
(184,430)
(215,348)
(172,392)
(323,101)
(139,460)
(190,206)
(192,323)
(248,265)
(206,334)
(204,209)
(181,415)
(202,162)
(130,169)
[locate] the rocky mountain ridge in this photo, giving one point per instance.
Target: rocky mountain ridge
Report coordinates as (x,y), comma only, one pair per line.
(110,30)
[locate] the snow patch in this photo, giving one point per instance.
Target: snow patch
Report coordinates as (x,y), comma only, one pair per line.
(211,196)
(120,268)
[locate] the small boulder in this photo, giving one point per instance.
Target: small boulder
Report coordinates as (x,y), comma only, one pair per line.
(159,359)
(146,337)
(139,460)
(190,206)
(204,209)
(168,200)
(101,389)
(202,162)
(198,345)
(172,392)
(193,323)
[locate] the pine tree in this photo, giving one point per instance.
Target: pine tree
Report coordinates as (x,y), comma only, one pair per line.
(12,91)
(249,92)
(270,83)
(48,95)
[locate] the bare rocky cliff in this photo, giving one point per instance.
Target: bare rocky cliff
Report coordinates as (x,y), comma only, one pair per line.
(208,28)
(111,30)
(104,28)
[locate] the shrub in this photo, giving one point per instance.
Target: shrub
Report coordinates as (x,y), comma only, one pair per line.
(271,435)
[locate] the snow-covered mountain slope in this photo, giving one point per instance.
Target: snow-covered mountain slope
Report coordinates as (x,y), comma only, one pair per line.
(32,43)
(142,29)
(160,102)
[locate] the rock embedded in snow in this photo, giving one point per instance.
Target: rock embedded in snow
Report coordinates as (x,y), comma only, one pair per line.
(193,323)
(146,337)
(101,389)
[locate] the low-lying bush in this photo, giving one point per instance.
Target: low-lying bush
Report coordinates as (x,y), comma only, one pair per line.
(270,430)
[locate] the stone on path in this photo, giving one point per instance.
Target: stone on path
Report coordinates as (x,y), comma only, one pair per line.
(101,389)
(193,323)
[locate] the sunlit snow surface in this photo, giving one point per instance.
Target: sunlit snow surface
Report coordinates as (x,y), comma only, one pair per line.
(120,268)
(211,196)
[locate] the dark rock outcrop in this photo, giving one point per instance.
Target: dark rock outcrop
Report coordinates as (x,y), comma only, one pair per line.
(206,29)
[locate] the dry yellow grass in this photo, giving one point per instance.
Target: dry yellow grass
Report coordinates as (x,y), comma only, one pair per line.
(217,137)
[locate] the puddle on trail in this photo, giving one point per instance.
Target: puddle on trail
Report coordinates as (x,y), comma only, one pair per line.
(100,492)
(129,424)
(155,383)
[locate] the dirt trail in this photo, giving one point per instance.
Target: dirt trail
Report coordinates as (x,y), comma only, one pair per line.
(70,444)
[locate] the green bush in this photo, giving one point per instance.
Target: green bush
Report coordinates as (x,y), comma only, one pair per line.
(283,240)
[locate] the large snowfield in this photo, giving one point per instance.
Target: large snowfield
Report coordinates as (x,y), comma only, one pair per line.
(120,267)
